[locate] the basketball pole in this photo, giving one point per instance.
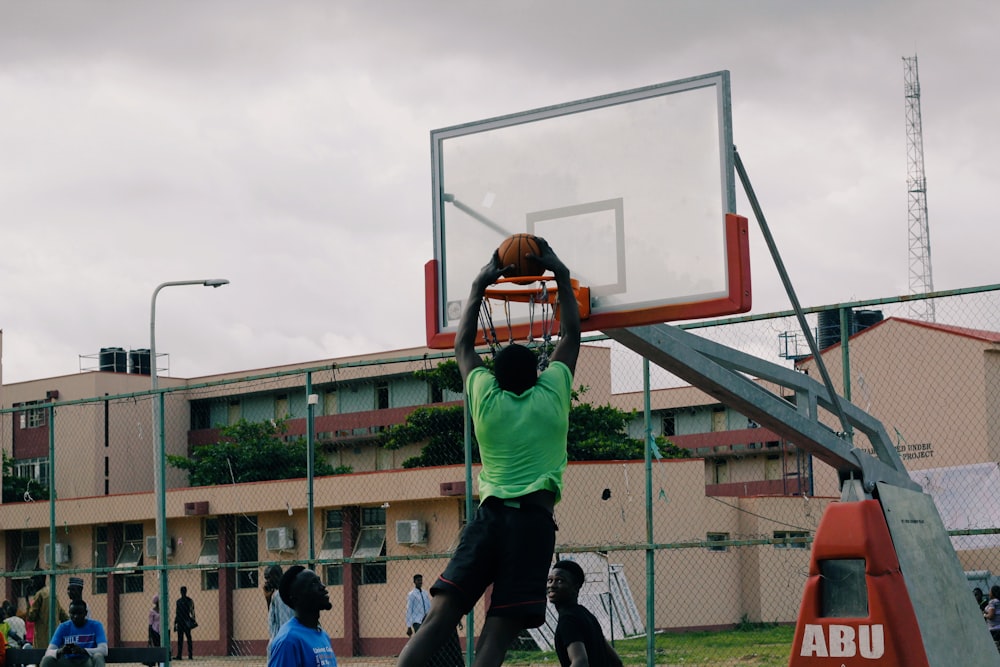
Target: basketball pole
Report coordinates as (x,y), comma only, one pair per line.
(932,576)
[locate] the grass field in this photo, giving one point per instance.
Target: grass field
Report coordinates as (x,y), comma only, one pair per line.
(748,646)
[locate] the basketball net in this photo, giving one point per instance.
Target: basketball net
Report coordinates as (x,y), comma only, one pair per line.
(538,304)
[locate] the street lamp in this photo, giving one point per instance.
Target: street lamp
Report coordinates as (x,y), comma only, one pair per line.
(160,457)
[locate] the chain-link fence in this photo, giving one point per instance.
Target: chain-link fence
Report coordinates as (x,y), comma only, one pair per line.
(699,559)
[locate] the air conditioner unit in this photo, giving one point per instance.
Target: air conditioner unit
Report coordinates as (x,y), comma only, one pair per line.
(63,554)
(152,551)
(279,539)
(411,531)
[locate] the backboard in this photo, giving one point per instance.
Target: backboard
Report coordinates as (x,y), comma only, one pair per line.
(633,190)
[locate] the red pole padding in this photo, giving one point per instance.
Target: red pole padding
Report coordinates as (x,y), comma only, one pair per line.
(888,636)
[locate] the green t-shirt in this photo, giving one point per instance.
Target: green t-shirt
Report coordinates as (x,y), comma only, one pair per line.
(522,439)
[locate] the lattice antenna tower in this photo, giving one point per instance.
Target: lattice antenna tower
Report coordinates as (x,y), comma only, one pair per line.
(921,279)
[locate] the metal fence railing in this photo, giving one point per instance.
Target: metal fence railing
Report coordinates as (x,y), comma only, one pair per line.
(688,519)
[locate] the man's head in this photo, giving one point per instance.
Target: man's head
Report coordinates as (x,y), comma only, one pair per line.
(75,588)
(303,591)
(78,613)
(516,368)
(184,591)
(418,580)
(272,576)
(156,602)
(565,580)
(977,593)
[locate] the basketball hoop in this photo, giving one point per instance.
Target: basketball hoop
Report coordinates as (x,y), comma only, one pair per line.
(541,294)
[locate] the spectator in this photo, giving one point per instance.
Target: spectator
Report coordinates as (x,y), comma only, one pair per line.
(278,612)
(38,613)
(153,626)
(579,640)
(992,613)
(78,642)
(977,593)
(16,632)
(75,588)
(418,602)
(301,642)
(184,622)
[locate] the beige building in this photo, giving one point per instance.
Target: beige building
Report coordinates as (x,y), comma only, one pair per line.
(713,517)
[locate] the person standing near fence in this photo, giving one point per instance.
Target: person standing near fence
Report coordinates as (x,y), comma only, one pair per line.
(578,637)
(301,642)
(184,622)
(521,421)
(38,613)
(278,613)
(991,612)
(418,602)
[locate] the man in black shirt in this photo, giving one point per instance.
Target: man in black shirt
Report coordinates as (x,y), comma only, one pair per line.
(579,639)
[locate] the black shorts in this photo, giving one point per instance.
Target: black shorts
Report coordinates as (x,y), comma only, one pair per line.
(509,547)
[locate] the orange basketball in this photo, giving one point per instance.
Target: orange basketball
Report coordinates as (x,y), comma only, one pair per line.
(515,250)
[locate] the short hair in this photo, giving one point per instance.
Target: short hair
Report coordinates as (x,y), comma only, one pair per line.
(286,584)
(184,590)
(995,592)
(516,368)
(417,575)
(574,570)
(78,603)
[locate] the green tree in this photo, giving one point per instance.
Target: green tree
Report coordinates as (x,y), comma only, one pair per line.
(20,489)
(251,452)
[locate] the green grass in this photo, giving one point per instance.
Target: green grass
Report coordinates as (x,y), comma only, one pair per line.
(750,645)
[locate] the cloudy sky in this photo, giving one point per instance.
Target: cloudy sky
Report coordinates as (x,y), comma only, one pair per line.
(285,146)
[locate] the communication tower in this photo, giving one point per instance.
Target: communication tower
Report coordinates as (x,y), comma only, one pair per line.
(921,279)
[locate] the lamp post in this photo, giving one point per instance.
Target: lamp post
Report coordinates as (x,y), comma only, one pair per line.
(160,456)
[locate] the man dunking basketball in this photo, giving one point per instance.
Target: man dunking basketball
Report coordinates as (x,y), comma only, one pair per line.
(521,421)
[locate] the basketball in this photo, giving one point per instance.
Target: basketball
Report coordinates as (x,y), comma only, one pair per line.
(515,250)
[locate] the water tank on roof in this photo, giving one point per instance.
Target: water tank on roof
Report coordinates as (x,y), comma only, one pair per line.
(140,362)
(112,359)
(828,328)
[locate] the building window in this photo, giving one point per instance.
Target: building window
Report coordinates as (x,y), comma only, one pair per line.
(100,559)
(33,417)
(201,415)
(371,544)
(37,470)
(789,534)
(719,422)
(333,547)
(246,551)
(382,395)
(27,559)
(209,554)
(130,558)
(281,406)
(668,428)
(333,575)
(717,537)
(233,412)
(330,402)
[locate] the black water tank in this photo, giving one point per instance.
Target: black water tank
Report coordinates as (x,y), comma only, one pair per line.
(828,328)
(140,361)
(865,318)
(113,359)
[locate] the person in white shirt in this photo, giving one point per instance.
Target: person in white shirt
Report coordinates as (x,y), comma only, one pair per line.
(418,603)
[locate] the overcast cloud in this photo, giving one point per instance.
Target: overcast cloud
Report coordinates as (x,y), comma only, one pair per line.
(285,146)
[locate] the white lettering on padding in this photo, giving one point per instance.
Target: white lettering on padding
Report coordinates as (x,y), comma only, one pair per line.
(870,641)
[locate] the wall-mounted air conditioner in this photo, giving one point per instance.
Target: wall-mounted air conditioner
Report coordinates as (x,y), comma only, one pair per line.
(411,531)
(279,539)
(152,551)
(63,554)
